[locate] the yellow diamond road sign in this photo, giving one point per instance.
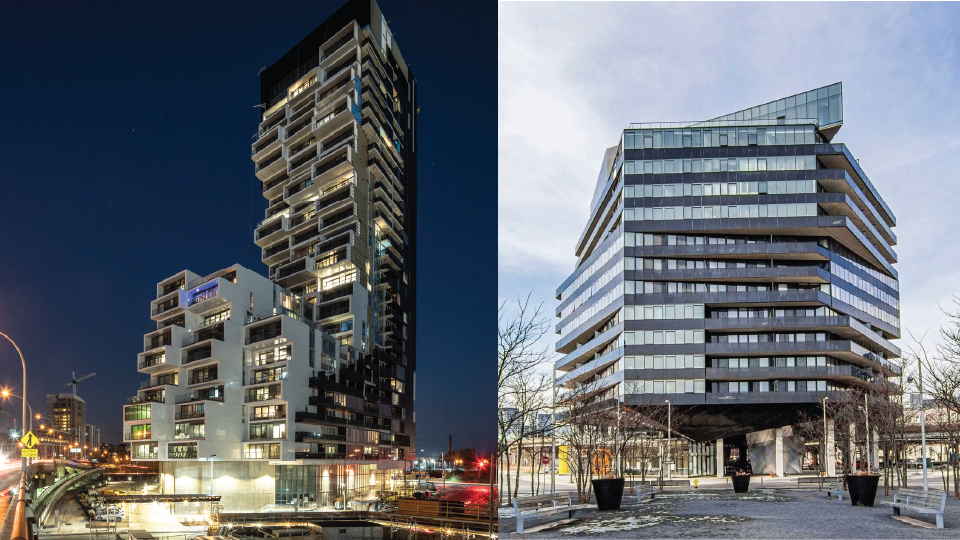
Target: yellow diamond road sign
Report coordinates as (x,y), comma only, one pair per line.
(29,440)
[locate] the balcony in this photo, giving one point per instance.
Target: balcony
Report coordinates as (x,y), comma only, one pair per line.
(198,354)
(296,193)
(267,377)
(147,398)
(272,232)
(154,364)
(152,384)
(256,337)
(313,437)
(317,455)
(280,117)
(334,166)
(216,395)
(271,167)
(256,397)
(157,343)
(166,307)
(276,253)
(202,378)
(200,336)
(264,146)
(276,415)
(137,436)
(307,157)
(190,415)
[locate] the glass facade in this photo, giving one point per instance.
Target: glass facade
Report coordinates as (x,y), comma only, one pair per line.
(699,285)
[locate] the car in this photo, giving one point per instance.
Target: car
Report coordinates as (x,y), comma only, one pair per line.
(109,513)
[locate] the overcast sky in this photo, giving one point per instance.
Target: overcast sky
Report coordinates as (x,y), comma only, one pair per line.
(571,76)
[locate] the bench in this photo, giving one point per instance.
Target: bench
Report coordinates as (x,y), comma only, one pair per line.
(924,502)
(835,490)
(818,480)
(657,483)
(641,490)
(544,505)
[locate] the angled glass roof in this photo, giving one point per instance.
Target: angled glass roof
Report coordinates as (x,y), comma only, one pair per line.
(824,104)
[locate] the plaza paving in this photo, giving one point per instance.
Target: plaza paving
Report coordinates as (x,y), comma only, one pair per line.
(779,512)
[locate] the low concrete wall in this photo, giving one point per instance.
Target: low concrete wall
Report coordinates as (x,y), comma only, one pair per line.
(244,486)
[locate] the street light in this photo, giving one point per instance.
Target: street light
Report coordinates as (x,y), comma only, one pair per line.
(923,428)
(23,460)
(825,398)
(669,450)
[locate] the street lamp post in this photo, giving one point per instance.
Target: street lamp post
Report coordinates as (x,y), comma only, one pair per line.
(669,449)
(553,434)
(825,398)
(23,460)
(923,427)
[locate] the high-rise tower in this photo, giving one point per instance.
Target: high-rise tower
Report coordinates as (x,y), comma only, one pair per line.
(741,268)
(336,158)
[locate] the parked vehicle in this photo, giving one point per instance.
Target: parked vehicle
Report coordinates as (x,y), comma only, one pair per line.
(109,513)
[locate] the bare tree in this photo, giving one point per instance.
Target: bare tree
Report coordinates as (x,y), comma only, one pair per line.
(583,427)
(521,384)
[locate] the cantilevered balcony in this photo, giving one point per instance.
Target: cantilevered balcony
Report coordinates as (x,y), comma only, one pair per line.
(271,229)
(270,166)
(846,350)
(339,45)
(167,308)
(158,360)
(276,252)
(265,145)
(333,166)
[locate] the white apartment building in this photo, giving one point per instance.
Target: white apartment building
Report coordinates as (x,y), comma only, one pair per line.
(241,384)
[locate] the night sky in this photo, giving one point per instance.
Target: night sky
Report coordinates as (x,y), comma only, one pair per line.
(125,135)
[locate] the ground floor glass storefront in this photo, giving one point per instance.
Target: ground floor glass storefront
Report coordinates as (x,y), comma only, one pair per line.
(329,486)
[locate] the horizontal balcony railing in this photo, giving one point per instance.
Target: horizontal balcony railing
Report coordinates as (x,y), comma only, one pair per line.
(195,356)
(263,336)
(137,436)
(261,397)
(190,415)
(146,399)
(202,378)
(170,288)
(305,436)
(259,147)
(151,384)
(280,415)
(329,51)
(268,377)
(266,437)
(787,372)
(165,307)
(151,362)
(201,336)
(187,398)
(317,455)
(270,230)
(270,161)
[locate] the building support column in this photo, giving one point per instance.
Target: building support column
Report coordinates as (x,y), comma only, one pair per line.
(830,452)
(875,451)
(778,452)
(720,468)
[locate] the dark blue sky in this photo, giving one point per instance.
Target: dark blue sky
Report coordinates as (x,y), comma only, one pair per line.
(125,134)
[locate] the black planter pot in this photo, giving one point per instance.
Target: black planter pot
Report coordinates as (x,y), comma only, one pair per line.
(609,493)
(863,488)
(741,483)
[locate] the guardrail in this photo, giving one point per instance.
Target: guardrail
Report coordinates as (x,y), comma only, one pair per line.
(45,501)
(23,520)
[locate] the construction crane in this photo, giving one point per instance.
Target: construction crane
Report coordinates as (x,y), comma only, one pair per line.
(80,428)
